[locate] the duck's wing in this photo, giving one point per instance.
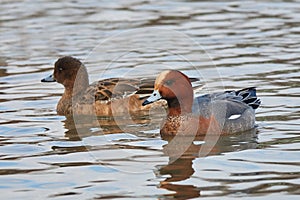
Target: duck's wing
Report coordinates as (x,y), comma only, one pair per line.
(233,102)
(246,95)
(108,89)
(234,110)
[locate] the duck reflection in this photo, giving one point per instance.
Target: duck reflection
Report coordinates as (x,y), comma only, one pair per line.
(80,126)
(183,150)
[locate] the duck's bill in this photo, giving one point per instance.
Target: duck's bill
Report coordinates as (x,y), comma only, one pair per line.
(155,96)
(48,79)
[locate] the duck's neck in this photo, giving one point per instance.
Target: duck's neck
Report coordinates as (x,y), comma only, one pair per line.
(77,88)
(79,84)
(73,91)
(180,106)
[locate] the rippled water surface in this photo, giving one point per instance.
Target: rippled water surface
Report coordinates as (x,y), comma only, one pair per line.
(229,45)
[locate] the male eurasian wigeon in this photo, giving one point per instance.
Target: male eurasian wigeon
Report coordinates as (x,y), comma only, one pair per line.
(217,113)
(113,96)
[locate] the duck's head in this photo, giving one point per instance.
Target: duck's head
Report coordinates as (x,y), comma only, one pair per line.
(67,70)
(175,87)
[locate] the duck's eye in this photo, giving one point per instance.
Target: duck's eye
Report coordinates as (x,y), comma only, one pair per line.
(60,69)
(169,82)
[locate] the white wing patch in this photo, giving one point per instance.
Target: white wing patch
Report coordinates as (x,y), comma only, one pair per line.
(234,116)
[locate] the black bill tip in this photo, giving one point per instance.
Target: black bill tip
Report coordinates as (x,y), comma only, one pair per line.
(146,102)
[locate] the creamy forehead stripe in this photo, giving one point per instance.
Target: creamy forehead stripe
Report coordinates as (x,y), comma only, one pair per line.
(161,76)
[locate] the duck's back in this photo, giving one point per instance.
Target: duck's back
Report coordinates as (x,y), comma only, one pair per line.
(116,96)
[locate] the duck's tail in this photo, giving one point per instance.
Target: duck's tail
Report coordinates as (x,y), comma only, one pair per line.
(248,96)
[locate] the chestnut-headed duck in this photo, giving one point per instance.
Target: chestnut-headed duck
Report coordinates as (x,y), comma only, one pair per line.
(107,97)
(217,113)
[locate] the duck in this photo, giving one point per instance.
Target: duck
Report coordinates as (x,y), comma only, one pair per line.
(101,98)
(106,97)
(219,113)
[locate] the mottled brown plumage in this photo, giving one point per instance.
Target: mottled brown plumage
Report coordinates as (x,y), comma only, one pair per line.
(113,96)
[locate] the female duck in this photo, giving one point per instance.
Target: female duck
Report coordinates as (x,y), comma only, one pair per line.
(217,113)
(106,97)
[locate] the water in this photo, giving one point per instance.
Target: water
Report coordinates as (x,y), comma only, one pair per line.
(228,45)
